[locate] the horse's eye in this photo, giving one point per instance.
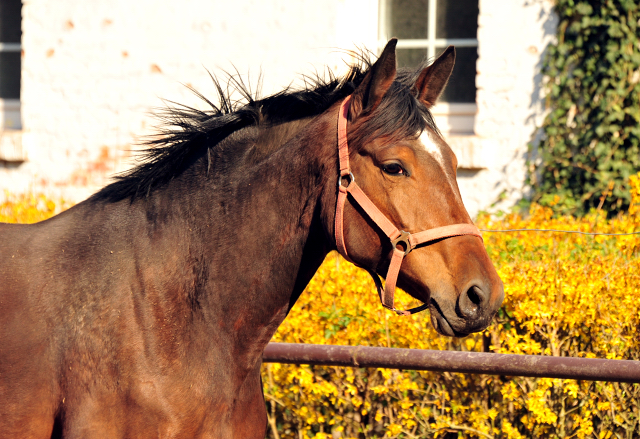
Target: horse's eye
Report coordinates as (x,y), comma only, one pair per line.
(393,169)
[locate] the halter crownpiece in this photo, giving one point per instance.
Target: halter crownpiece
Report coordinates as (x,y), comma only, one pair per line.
(347,186)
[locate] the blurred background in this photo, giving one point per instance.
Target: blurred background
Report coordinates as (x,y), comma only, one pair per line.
(78,78)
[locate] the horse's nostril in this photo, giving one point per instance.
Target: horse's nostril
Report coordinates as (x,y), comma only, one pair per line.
(474,297)
(471,302)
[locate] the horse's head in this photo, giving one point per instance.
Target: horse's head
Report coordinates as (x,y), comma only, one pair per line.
(408,171)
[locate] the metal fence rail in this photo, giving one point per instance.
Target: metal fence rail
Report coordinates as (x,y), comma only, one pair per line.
(624,371)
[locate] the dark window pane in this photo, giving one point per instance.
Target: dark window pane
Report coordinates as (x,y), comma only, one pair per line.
(410,57)
(10,75)
(10,21)
(462,83)
(456,18)
(407,18)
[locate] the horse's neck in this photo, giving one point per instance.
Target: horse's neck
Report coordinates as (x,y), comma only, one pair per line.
(250,236)
(273,241)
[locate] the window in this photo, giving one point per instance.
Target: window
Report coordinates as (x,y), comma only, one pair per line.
(10,48)
(424,28)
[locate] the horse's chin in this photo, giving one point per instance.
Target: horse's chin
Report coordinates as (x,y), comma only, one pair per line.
(441,324)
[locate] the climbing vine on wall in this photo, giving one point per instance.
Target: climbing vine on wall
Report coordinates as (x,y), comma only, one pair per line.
(591,142)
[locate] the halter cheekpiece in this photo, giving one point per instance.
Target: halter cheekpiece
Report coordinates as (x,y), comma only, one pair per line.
(347,186)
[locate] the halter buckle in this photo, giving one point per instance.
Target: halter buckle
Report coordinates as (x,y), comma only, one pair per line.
(351,180)
(404,239)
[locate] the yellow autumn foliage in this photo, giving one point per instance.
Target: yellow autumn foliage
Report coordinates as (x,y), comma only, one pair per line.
(565,294)
(29,209)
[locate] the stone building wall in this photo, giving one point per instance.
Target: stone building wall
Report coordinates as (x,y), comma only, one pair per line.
(92,72)
(512,38)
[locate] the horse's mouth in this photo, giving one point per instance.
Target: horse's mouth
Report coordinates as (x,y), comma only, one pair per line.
(440,323)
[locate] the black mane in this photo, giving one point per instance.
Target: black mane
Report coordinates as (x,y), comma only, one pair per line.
(189,134)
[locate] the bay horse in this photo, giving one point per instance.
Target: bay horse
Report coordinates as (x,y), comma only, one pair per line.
(143,311)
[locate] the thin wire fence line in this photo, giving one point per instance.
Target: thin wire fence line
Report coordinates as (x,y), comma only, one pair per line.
(562,231)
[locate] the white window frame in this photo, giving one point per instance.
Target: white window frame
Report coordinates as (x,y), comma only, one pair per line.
(452,117)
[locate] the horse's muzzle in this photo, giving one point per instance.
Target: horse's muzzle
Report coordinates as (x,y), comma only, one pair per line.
(472,312)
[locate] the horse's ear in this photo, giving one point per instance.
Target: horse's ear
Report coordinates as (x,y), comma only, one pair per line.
(433,78)
(375,84)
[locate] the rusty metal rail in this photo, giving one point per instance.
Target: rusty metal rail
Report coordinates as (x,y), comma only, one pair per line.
(624,371)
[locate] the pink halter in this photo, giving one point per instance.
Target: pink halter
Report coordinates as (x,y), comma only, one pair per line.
(408,240)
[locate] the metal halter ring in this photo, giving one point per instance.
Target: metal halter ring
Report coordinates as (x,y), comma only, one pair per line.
(404,238)
(351,180)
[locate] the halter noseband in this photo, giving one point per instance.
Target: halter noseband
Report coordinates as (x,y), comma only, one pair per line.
(397,237)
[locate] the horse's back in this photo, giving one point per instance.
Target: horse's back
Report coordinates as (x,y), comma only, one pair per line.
(30,294)
(27,366)
(10,233)
(15,263)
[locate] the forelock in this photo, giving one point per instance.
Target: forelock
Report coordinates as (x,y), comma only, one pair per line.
(400,115)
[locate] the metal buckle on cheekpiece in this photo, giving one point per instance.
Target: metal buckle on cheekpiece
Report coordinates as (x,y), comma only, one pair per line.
(351,180)
(404,239)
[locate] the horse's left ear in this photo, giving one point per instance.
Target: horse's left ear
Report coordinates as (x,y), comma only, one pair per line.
(433,78)
(375,84)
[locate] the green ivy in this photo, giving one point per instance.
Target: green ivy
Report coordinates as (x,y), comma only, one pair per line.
(591,141)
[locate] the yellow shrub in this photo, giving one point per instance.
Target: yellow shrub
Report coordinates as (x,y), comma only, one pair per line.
(29,209)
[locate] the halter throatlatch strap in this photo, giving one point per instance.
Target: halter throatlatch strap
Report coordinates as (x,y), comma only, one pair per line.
(408,241)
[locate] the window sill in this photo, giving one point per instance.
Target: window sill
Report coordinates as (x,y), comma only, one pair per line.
(10,114)
(454,118)
(11,148)
(468,150)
